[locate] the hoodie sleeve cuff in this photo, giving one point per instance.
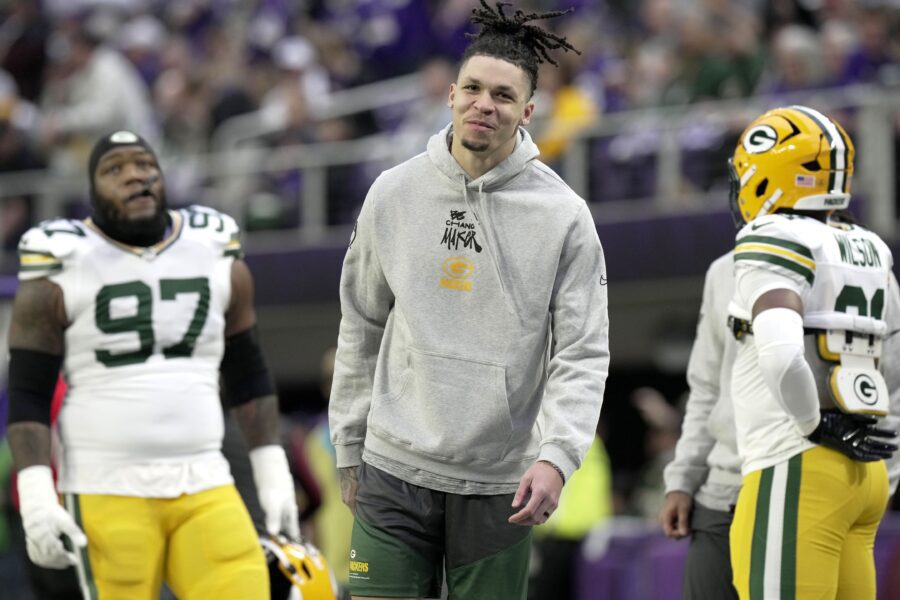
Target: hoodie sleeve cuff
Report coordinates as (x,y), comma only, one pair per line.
(558,457)
(680,484)
(349,455)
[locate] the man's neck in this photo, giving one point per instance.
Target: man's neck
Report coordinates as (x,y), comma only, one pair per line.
(476,164)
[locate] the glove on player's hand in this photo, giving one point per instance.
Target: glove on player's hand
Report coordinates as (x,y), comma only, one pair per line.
(854,435)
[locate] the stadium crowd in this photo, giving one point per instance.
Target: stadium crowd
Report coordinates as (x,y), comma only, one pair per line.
(178,71)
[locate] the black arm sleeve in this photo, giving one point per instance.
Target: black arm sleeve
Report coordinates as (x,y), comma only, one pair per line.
(244,371)
(32,380)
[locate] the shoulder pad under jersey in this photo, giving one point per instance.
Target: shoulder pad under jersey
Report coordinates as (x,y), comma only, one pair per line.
(214,226)
(42,249)
(776,243)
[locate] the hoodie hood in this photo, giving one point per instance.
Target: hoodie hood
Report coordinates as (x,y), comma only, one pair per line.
(439,154)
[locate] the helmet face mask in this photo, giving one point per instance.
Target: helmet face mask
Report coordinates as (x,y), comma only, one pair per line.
(297,570)
(791,158)
(734,190)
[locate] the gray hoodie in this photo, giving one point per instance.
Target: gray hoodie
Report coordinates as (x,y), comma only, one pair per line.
(474,331)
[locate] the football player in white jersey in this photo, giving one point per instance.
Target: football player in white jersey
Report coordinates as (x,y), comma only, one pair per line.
(143,308)
(806,385)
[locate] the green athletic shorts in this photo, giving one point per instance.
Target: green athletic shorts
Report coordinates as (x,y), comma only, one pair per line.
(403,535)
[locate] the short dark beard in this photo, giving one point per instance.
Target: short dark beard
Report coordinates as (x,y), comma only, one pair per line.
(144,232)
(472,146)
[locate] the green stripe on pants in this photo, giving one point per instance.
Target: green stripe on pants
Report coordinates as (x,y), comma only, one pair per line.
(760,532)
(85,575)
(789,535)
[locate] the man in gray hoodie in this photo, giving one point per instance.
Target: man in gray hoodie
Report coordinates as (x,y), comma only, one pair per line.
(473,350)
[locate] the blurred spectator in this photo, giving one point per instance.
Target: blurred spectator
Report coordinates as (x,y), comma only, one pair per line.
(838,42)
(141,40)
(182,103)
(427,115)
(301,80)
(871,55)
(450,22)
(347,183)
(571,109)
(796,63)
(93,90)
(784,13)
(285,205)
(23,40)
(336,55)
(16,211)
(391,37)
(727,66)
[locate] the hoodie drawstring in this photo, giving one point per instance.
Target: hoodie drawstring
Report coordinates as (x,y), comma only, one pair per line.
(489,240)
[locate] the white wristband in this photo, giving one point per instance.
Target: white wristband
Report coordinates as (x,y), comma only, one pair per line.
(36,487)
(268,459)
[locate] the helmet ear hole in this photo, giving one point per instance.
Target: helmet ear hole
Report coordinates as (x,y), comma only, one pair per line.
(761,188)
(812,165)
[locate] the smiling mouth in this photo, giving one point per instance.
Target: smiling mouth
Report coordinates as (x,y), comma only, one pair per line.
(481,125)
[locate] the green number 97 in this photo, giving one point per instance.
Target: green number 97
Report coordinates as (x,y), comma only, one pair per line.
(141,322)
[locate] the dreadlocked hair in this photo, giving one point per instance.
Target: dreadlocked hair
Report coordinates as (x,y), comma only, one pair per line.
(514,40)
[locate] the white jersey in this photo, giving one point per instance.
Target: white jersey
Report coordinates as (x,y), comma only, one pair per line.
(142,416)
(841,273)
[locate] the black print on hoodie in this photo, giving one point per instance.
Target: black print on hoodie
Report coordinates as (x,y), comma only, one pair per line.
(458,233)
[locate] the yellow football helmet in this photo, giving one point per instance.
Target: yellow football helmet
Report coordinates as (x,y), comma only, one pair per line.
(297,570)
(790,158)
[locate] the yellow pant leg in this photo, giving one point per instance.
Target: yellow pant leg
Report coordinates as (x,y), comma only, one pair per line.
(740,537)
(214,550)
(804,529)
(126,546)
(857,578)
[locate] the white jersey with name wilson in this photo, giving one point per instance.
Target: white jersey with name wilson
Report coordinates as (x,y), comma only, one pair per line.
(142,415)
(841,273)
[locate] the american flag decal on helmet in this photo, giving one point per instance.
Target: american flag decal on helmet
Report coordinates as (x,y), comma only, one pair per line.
(805,181)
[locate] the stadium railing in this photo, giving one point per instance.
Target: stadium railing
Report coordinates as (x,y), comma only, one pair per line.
(633,164)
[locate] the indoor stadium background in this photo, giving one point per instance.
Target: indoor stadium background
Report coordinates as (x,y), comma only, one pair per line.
(282,112)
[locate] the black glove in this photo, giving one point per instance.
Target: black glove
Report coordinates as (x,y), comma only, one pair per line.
(853,435)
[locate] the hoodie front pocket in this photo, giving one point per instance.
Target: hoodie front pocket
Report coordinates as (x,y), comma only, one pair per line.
(449,407)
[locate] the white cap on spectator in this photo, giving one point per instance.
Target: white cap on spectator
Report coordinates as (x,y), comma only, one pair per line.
(293,53)
(265,30)
(144,32)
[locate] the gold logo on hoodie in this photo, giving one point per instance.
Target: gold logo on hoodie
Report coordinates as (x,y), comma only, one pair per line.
(458,271)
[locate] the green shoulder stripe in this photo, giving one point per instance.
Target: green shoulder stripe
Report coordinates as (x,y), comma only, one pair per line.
(45,267)
(31,261)
(765,239)
(786,263)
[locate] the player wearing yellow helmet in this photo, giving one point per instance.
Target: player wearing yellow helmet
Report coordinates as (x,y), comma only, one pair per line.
(791,158)
(809,313)
(297,570)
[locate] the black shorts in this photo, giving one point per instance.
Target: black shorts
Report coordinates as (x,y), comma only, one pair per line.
(403,535)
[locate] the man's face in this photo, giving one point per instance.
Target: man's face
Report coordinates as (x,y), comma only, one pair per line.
(490,99)
(121,185)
